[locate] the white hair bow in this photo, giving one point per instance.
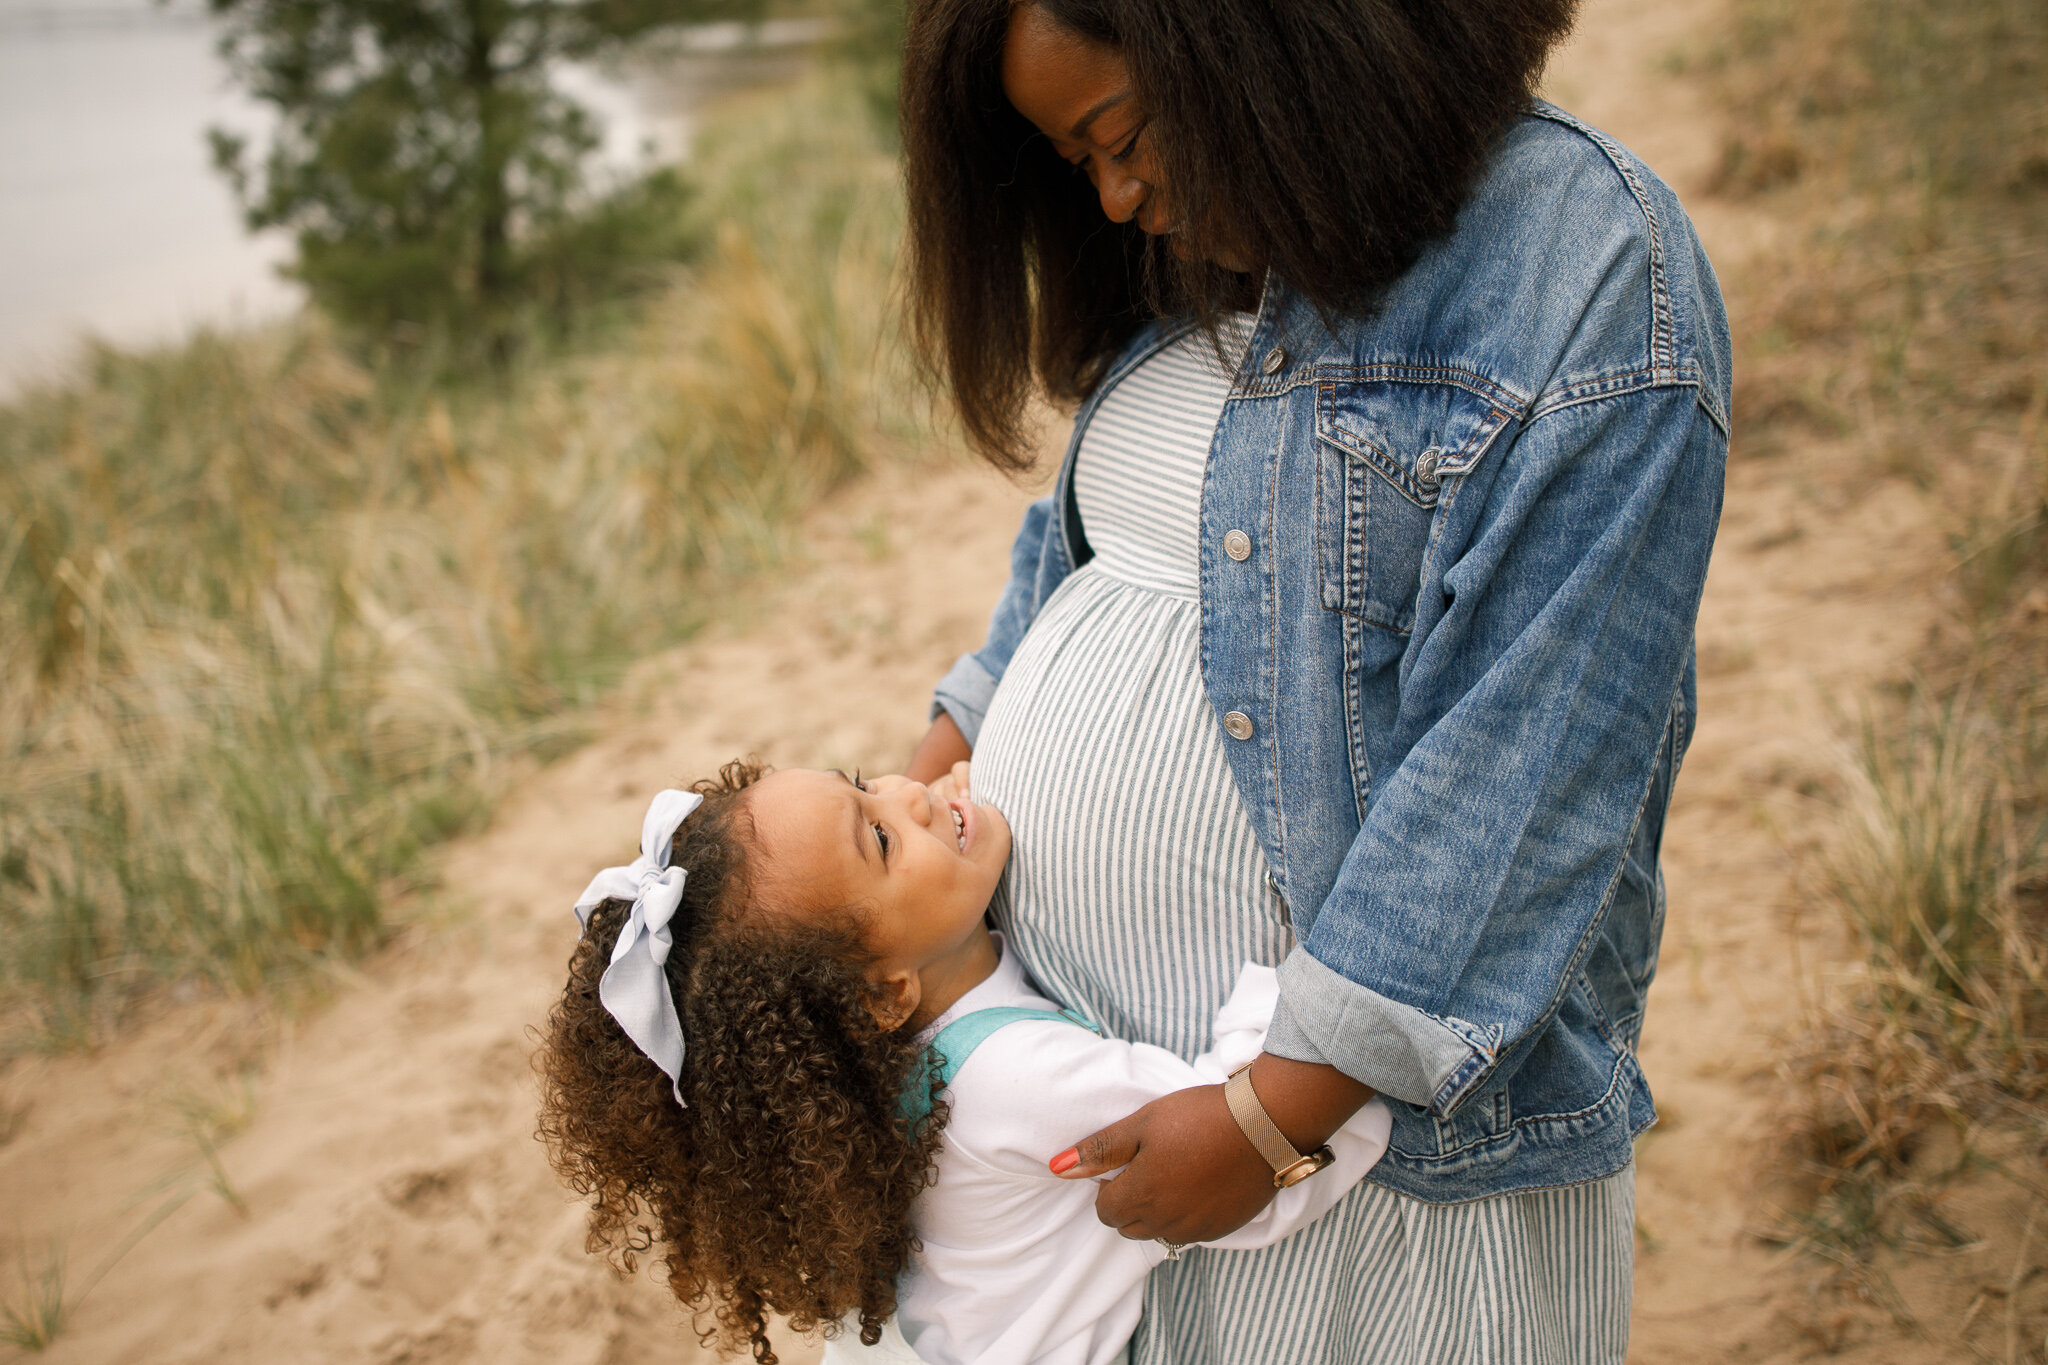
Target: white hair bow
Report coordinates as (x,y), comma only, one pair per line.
(634,988)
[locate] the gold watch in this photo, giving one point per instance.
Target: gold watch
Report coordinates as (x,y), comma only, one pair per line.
(1289,1166)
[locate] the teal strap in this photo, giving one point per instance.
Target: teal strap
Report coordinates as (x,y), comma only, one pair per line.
(948,1052)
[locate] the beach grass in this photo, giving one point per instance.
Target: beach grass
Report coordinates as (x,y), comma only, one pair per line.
(34,1314)
(280,612)
(1907,328)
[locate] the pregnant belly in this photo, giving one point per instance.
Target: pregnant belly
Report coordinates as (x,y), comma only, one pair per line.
(1136,886)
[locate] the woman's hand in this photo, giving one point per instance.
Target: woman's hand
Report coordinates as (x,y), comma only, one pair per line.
(1191,1175)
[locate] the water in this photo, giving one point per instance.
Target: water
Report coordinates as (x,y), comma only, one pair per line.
(113,221)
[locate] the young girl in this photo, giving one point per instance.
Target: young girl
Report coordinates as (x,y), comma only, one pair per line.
(790,1044)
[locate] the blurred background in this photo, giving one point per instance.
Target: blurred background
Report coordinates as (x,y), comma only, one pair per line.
(121,222)
(414,375)
(118,220)
(114,220)
(427,428)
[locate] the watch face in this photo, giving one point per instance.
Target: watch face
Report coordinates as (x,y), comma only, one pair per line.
(1304,1168)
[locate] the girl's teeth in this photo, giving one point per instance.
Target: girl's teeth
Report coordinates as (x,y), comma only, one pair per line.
(959,831)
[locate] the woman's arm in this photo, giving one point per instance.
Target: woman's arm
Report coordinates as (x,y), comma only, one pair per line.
(1017,1263)
(942,747)
(1201,1178)
(1542,698)
(1546,704)
(1080,1081)
(961,699)
(1309,1103)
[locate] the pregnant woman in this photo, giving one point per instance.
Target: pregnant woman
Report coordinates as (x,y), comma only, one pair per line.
(1356,634)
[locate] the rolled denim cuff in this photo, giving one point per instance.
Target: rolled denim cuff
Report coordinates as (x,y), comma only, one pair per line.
(964,694)
(1396,1049)
(1287,1038)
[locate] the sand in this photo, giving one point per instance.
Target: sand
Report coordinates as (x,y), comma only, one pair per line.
(380,1196)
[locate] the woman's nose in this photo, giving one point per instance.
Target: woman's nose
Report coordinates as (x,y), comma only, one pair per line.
(1122,193)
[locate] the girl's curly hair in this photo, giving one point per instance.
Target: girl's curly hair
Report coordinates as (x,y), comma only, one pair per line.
(786,1185)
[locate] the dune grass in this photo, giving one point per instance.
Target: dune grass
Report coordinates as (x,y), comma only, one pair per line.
(1911,137)
(35,1312)
(278,611)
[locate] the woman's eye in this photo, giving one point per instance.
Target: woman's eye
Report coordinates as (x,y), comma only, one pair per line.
(1123,153)
(881,840)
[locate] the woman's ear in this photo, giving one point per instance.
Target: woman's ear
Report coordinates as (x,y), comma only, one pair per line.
(899,992)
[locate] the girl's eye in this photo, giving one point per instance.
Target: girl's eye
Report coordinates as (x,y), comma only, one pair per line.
(881,840)
(858,785)
(1130,146)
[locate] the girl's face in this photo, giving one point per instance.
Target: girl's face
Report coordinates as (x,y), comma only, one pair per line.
(1079,95)
(918,863)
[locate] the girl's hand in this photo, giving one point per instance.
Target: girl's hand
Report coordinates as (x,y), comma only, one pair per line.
(952,784)
(1189,1173)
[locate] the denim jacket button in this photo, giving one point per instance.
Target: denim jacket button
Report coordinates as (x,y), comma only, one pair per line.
(1237,545)
(1237,725)
(1275,358)
(1425,471)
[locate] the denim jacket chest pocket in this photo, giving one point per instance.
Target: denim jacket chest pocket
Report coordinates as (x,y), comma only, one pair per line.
(1387,450)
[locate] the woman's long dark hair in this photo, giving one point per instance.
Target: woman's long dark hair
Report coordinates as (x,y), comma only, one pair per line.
(1324,140)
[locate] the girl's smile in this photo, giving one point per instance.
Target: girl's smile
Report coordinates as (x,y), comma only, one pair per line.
(916,865)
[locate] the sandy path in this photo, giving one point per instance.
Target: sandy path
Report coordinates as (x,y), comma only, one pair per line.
(1819,588)
(396,1209)
(399,1210)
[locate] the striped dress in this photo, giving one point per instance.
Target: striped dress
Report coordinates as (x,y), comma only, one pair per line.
(1137,886)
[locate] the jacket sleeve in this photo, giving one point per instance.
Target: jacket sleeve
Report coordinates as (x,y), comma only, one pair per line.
(964,693)
(1539,703)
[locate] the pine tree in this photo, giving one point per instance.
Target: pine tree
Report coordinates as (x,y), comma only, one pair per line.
(427,167)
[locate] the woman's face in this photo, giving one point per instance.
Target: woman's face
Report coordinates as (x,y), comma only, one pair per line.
(1078,93)
(918,863)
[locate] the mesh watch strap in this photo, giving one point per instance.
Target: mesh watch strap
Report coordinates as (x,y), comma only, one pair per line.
(1251,1117)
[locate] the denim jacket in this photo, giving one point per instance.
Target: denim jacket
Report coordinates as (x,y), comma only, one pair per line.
(1451,556)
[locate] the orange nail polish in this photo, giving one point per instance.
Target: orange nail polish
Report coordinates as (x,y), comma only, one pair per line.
(1065,1161)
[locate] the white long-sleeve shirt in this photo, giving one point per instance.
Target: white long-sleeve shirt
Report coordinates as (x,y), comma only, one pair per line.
(1015,1268)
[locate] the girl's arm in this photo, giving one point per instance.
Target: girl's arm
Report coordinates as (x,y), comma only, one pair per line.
(1241,1028)
(1213,1179)
(1090,1078)
(1308,1104)
(1016,1266)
